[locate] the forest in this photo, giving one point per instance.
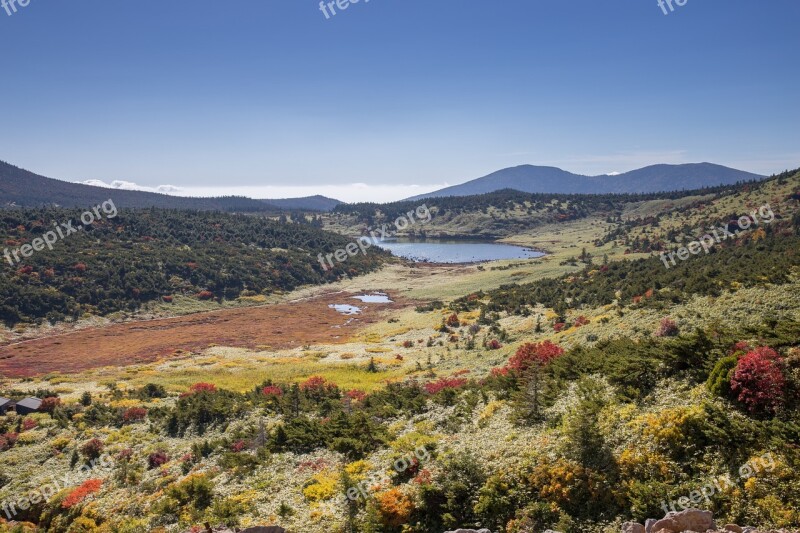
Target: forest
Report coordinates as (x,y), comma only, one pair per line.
(147,255)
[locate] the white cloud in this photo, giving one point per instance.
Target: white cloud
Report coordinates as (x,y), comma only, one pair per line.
(131,186)
(351,192)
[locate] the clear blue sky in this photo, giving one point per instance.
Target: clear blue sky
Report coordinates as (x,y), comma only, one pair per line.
(245,93)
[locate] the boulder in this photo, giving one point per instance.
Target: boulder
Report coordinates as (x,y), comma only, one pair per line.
(648,525)
(733,527)
(632,527)
(688,520)
(264,529)
(469,531)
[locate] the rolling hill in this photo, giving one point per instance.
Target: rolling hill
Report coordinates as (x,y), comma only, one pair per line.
(19,187)
(654,178)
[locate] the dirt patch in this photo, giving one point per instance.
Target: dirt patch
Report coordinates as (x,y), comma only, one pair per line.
(280,326)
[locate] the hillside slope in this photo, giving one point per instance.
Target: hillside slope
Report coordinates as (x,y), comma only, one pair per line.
(19,187)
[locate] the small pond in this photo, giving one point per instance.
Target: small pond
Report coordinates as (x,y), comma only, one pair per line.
(456,251)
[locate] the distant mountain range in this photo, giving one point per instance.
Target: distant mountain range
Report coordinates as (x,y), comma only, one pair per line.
(655,178)
(19,187)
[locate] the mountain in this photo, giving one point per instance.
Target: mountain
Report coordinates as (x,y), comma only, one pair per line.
(655,178)
(308,203)
(19,187)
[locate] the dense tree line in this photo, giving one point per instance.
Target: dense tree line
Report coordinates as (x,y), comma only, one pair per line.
(748,261)
(139,256)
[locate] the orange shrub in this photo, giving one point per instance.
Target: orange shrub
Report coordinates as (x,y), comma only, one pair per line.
(86,489)
(394,507)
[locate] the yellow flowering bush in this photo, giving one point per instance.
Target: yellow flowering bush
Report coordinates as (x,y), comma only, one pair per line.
(322,486)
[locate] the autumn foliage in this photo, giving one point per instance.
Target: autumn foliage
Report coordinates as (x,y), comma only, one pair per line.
(538,354)
(86,489)
(394,507)
(445,383)
(758,381)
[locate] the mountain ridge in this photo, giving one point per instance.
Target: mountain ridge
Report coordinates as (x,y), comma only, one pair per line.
(548,179)
(23,188)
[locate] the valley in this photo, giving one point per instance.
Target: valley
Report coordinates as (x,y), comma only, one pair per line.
(276,403)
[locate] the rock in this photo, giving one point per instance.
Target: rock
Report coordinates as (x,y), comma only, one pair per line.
(648,525)
(732,527)
(632,527)
(688,520)
(469,531)
(264,529)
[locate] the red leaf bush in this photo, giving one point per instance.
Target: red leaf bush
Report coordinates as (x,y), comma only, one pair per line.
(530,354)
(667,328)
(445,383)
(134,414)
(758,381)
(86,489)
(272,391)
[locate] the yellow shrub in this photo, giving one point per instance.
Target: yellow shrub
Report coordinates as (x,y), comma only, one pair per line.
(357,470)
(323,486)
(489,411)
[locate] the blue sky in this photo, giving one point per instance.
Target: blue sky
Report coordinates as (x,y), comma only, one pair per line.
(270,98)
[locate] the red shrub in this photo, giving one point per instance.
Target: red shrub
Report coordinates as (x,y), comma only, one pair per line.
(272,391)
(558,327)
(500,371)
(205,295)
(156,459)
(316,383)
(238,446)
(25,270)
(92,449)
(317,388)
(581,321)
(8,440)
(445,383)
(740,347)
(758,381)
(86,489)
(667,328)
(28,424)
(49,404)
(356,395)
(167,299)
(530,354)
(453,321)
(134,414)
(203,387)
(399,357)
(80,267)
(495,344)
(408,344)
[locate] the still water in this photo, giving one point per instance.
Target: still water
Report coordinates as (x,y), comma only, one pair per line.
(460,251)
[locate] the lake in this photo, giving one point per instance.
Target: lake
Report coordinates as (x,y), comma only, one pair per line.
(456,251)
